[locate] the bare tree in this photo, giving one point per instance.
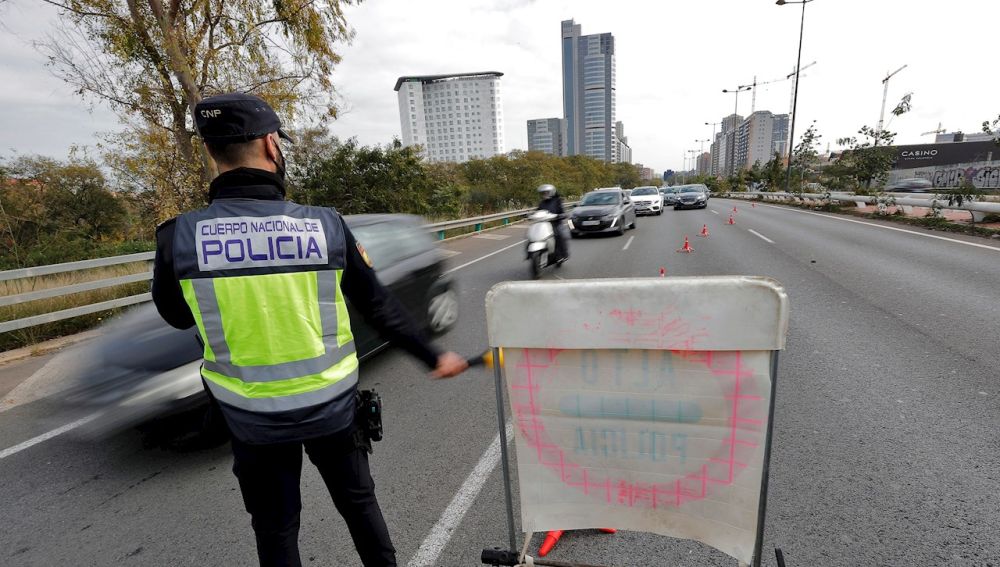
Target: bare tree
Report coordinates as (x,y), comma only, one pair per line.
(152,61)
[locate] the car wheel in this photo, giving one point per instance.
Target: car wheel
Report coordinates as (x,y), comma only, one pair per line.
(621,227)
(574,235)
(442,312)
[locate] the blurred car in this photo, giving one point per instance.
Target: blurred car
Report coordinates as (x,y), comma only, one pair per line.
(910,185)
(604,210)
(669,195)
(140,368)
(647,200)
(691,197)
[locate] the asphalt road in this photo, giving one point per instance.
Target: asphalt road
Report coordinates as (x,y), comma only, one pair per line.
(885,440)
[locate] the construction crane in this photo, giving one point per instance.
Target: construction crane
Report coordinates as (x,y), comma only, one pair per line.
(939,130)
(791,98)
(755,84)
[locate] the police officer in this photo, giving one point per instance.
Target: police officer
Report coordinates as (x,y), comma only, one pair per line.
(265,281)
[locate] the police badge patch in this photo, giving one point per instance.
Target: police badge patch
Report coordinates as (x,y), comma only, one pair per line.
(364,254)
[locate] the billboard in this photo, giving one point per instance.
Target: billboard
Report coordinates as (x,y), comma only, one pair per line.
(930,155)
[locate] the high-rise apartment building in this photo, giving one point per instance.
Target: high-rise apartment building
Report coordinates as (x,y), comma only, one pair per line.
(452,117)
(725,146)
(623,152)
(704,163)
(779,144)
(546,135)
(588,65)
(759,137)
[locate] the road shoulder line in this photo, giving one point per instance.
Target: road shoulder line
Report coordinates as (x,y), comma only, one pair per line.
(934,236)
(439,536)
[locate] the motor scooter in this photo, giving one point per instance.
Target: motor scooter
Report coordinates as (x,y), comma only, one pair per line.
(541,247)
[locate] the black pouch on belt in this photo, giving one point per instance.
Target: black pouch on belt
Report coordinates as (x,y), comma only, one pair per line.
(369,416)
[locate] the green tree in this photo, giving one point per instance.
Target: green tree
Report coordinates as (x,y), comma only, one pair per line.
(805,156)
(993,129)
(360,179)
(868,158)
(56,211)
(152,61)
(773,173)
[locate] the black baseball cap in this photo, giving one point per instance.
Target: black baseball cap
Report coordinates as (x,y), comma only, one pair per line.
(235,118)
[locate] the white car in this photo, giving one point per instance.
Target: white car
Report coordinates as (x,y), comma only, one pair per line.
(647,200)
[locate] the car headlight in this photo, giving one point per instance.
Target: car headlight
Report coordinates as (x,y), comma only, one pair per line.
(701,197)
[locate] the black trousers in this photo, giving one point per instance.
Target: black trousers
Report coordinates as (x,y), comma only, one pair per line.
(559,231)
(269,479)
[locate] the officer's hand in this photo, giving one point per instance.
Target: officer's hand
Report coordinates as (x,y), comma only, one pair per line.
(450,364)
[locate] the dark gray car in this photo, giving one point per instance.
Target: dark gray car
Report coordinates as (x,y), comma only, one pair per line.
(691,197)
(602,211)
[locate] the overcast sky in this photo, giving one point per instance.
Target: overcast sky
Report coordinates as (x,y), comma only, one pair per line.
(673,60)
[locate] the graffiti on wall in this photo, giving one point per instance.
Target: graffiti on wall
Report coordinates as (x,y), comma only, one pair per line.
(980,175)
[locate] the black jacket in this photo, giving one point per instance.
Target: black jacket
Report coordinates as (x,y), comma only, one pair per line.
(553,204)
(359,283)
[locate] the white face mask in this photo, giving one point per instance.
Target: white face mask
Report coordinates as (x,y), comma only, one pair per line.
(279,165)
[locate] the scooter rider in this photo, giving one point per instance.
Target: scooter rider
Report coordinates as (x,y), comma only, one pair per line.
(552,202)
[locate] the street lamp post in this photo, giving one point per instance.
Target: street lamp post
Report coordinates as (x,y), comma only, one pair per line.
(737,91)
(795,99)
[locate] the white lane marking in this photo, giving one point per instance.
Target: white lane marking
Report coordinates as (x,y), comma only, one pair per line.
(629,243)
(714,212)
(46,436)
(449,253)
(456,268)
(831,217)
(492,236)
(761,236)
(435,542)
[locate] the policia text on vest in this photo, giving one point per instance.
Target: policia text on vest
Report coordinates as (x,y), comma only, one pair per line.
(243,242)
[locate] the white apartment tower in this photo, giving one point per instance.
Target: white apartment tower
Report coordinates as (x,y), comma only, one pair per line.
(452,117)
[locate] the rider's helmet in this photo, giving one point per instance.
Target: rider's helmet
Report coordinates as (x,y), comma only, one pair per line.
(547,190)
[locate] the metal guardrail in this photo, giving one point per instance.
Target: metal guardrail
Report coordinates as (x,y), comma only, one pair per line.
(978,209)
(8,275)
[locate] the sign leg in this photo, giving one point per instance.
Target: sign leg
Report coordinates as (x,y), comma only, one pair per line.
(762,509)
(504,460)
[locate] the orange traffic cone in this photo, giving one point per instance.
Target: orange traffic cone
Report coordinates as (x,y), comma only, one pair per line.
(731,220)
(687,246)
(663,271)
(734,209)
(753,205)
(704,230)
(551,539)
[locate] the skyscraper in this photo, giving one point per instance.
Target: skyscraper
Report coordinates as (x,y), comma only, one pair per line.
(546,135)
(759,137)
(725,145)
(453,117)
(589,93)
